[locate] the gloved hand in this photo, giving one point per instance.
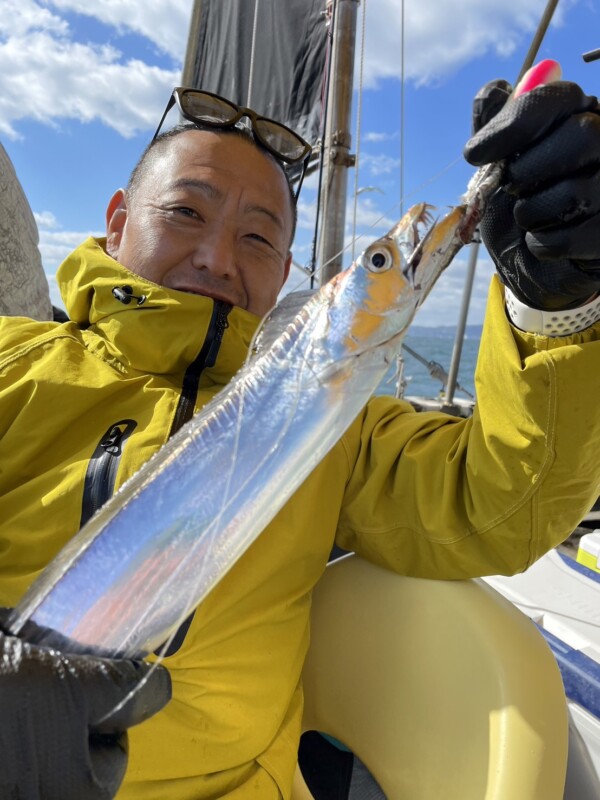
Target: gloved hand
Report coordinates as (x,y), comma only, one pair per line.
(542,227)
(59,739)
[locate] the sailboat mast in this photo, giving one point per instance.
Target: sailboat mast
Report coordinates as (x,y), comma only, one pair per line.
(337,156)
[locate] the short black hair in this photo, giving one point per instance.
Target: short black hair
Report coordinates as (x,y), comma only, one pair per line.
(141,169)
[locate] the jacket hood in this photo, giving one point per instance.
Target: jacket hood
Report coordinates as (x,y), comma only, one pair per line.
(163,335)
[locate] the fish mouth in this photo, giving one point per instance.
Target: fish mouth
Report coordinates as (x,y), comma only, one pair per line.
(414,261)
(411,240)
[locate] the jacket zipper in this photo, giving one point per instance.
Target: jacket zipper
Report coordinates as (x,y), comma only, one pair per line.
(101,473)
(102,469)
(205,358)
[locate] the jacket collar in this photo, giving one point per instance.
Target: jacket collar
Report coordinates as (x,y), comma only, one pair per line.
(163,335)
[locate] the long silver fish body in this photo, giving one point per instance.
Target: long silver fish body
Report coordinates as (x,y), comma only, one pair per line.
(148,557)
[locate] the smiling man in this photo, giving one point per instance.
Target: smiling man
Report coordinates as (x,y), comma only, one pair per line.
(162,314)
(211,215)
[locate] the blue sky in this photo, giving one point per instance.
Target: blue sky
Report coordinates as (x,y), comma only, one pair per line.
(83,86)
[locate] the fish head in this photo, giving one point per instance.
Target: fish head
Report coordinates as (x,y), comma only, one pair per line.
(384,280)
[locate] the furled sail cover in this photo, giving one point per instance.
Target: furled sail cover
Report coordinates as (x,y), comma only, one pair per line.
(23,284)
(288,64)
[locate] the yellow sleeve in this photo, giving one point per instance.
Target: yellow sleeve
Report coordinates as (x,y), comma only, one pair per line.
(434,496)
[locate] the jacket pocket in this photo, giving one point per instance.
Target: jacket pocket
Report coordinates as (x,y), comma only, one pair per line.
(102,468)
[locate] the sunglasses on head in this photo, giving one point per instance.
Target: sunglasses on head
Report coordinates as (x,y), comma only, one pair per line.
(212,111)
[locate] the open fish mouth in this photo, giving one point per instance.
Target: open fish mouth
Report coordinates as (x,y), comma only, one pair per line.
(410,235)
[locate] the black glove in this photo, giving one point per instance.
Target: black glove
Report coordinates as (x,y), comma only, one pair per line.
(58,737)
(542,227)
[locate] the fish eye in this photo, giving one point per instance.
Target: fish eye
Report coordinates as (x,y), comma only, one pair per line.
(378,260)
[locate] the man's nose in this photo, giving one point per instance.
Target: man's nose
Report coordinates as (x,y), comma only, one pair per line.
(215,252)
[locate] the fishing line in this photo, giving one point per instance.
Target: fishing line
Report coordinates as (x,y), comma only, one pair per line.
(144,680)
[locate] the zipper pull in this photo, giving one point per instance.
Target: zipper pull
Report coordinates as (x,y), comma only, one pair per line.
(112,441)
(222,323)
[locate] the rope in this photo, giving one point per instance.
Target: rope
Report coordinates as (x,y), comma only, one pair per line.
(358,120)
(252,51)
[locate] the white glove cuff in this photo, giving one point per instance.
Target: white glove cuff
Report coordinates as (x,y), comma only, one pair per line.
(551,323)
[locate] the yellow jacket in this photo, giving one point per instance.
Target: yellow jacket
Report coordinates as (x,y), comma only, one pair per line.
(422,493)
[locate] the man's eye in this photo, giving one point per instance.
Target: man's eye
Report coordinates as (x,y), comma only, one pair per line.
(258,238)
(188,212)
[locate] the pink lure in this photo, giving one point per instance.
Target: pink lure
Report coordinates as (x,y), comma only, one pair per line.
(544,72)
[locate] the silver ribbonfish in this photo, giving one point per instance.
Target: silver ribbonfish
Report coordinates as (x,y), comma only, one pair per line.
(166,538)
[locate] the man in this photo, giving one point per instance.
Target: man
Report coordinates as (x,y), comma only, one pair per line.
(162,314)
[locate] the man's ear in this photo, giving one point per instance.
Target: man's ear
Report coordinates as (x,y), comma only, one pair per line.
(116,216)
(286,267)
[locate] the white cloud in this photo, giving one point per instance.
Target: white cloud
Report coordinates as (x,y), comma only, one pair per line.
(444,302)
(55,245)
(440,37)
(20,17)
(55,297)
(79,82)
(163,22)
(306,213)
(371,221)
(379,165)
(46,219)
(377,136)
(47,76)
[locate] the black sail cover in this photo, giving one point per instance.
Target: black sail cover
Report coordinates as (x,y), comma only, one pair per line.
(288,63)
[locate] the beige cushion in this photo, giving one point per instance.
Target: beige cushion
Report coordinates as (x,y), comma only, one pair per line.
(443,689)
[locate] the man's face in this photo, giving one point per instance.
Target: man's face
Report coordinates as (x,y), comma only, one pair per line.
(212,216)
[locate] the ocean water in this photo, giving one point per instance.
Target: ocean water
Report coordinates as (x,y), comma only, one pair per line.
(435,345)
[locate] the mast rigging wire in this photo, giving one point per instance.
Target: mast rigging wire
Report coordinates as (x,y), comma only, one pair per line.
(402,110)
(252,52)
